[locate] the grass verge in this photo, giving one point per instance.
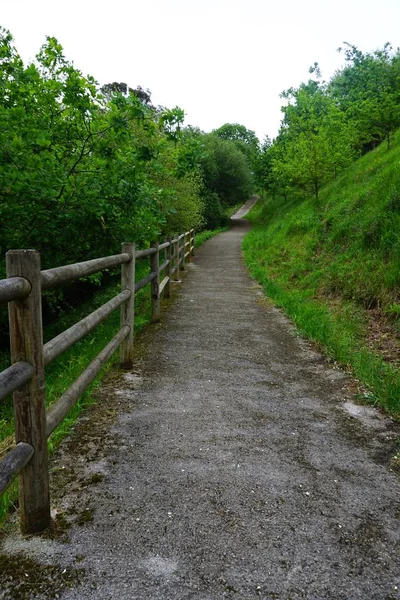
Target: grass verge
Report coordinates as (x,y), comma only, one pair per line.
(203,236)
(333,266)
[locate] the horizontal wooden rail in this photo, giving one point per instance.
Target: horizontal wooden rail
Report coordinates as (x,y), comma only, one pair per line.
(143,282)
(13,288)
(144,253)
(61,408)
(26,377)
(164,265)
(52,278)
(68,338)
(14,377)
(164,282)
(13,462)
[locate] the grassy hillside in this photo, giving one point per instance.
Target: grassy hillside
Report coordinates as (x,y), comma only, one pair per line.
(334,266)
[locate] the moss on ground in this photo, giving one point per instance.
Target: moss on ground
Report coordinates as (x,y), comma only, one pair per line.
(23,578)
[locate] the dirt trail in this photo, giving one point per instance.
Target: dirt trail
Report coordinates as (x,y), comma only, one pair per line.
(237,467)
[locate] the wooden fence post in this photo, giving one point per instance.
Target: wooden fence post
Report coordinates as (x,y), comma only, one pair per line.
(168,255)
(177,266)
(192,237)
(189,242)
(155,284)
(26,341)
(183,252)
(128,308)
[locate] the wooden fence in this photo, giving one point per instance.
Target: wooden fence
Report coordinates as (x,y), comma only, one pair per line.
(25,377)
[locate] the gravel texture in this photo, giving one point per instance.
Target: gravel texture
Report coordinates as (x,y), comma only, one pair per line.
(237,465)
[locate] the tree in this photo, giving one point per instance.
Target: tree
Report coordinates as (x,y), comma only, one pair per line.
(244,139)
(368,90)
(316,136)
(325,126)
(226,170)
(109,89)
(75,165)
(263,164)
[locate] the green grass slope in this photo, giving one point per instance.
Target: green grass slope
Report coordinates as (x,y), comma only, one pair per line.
(333,264)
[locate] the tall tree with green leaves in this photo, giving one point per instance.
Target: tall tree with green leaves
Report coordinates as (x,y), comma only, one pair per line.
(75,164)
(368,90)
(244,139)
(318,141)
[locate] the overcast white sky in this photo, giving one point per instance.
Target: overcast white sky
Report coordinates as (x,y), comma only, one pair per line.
(222,61)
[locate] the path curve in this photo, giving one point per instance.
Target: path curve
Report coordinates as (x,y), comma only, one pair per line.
(237,473)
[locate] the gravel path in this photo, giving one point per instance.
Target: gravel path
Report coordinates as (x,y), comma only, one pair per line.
(242,470)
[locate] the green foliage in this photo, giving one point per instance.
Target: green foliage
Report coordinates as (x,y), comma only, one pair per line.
(83,169)
(99,166)
(244,139)
(79,165)
(315,141)
(326,126)
(334,263)
(226,171)
(263,164)
(368,90)
(220,168)
(214,213)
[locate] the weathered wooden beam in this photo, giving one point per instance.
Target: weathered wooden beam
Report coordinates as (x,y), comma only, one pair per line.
(13,377)
(188,255)
(128,308)
(177,260)
(70,336)
(60,409)
(168,272)
(13,463)
(164,245)
(155,285)
(163,284)
(192,238)
(182,251)
(26,342)
(13,288)
(164,265)
(144,253)
(145,281)
(52,278)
